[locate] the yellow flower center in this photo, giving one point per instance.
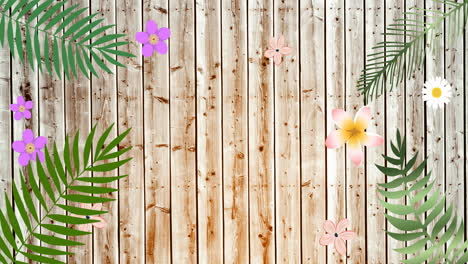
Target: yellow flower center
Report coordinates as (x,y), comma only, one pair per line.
(22,108)
(436,92)
(30,148)
(153,39)
(353,132)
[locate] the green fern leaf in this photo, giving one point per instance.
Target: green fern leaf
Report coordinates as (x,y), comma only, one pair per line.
(434,241)
(56,186)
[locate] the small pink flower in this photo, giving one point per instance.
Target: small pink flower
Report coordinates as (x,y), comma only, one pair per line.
(336,235)
(277,50)
(29,148)
(353,132)
(153,39)
(21,108)
(87,227)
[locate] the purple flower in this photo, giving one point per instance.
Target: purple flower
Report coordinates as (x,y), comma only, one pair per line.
(29,147)
(153,39)
(22,108)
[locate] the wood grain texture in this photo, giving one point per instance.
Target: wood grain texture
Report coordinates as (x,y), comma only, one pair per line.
(313,134)
(261,135)
(209,131)
(157,141)
(130,115)
(335,99)
(183,132)
(103,114)
(235,131)
(287,137)
(375,219)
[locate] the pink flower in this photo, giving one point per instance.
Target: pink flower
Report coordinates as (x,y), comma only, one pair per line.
(353,132)
(153,39)
(21,109)
(87,227)
(277,50)
(336,235)
(29,147)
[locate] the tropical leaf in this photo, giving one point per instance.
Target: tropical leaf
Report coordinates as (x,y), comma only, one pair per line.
(66,41)
(434,241)
(403,51)
(56,186)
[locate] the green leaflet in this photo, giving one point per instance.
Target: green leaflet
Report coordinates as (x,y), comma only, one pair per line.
(440,243)
(53,180)
(66,36)
(403,51)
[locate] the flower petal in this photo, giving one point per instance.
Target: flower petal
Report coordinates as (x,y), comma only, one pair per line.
(372,140)
(147,50)
(27,114)
(18,115)
(326,239)
(97,207)
(363,116)
(161,47)
(151,27)
(342,225)
(41,155)
(33,155)
(164,33)
(329,226)
(85,206)
(347,235)
(20,100)
(18,146)
(286,50)
(101,224)
(142,37)
(356,154)
(334,140)
(273,43)
(270,53)
(277,58)
(340,246)
(29,105)
(280,43)
(40,142)
(14,107)
(28,136)
(84,228)
(339,116)
(23,159)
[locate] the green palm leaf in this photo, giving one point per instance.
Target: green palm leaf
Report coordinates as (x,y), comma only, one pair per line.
(434,241)
(66,44)
(386,65)
(56,184)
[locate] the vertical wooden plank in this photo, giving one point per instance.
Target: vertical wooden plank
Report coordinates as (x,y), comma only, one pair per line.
(335,98)
(287,142)
(454,124)
(130,115)
(24,83)
(395,119)
(77,119)
(103,114)
(355,177)
(261,134)
(375,235)
(313,111)
(235,131)
(157,155)
(183,132)
(209,131)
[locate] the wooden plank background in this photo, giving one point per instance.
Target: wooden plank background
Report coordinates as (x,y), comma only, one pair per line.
(229,158)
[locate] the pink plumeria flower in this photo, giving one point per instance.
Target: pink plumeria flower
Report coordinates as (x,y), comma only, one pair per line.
(277,50)
(336,235)
(21,108)
(87,227)
(353,132)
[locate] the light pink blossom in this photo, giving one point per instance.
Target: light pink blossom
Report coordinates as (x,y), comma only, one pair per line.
(277,50)
(87,227)
(336,235)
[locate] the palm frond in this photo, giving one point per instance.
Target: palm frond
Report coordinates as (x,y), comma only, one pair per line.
(408,37)
(57,176)
(437,233)
(65,46)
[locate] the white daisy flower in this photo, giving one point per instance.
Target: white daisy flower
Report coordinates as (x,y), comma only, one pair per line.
(437,92)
